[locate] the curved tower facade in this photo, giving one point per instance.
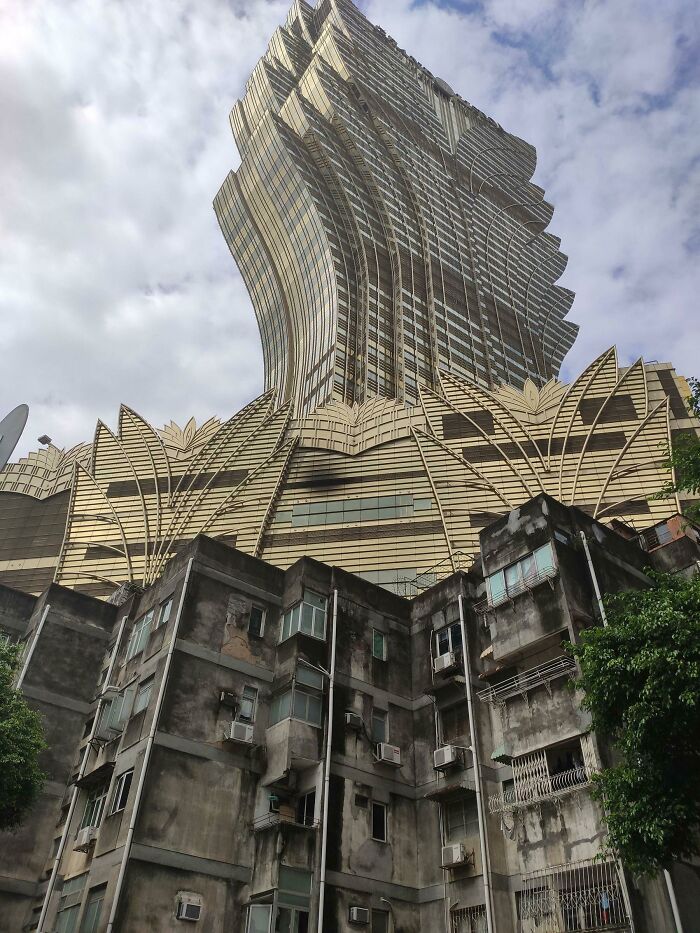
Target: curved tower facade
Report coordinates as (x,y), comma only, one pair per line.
(386,229)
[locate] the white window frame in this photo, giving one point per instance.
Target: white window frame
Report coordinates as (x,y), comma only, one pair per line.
(145,688)
(124,777)
(95,807)
(139,635)
(263,620)
(163,619)
(377,633)
(252,700)
(296,619)
(454,644)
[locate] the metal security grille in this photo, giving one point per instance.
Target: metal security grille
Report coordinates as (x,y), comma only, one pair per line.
(577,896)
(469,920)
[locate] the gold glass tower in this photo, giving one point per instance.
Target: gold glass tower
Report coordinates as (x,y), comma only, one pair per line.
(386,229)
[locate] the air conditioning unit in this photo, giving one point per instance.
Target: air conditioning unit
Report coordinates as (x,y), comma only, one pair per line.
(453,855)
(388,754)
(359,915)
(188,911)
(239,732)
(445,757)
(445,662)
(353,720)
(85,838)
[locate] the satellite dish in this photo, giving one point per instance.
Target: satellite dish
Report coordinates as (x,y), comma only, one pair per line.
(11,428)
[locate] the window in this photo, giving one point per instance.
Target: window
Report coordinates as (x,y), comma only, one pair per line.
(67,919)
(259,918)
(4,637)
(116,712)
(69,904)
(379,822)
(461,820)
(121,791)
(256,622)
(380,725)
(307,707)
(310,677)
(143,696)
(516,578)
(448,639)
(308,616)
(94,807)
(139,635)
(380,921)
(455,724)
(378,645)
(164,612)
(93,909)
(306,809)
(249,704)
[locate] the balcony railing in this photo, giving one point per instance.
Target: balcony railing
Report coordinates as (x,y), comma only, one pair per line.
(270,820)
(535,677)
(581,896)
(538,789)
(523,585)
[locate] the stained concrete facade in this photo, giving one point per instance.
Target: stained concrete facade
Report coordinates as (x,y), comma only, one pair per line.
(187,748)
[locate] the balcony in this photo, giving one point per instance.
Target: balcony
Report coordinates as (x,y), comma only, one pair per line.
(283,819)
(539,676)
(538,790)
(583,897)
(525,585)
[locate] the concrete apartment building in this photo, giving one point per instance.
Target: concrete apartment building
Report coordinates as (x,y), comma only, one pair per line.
(238,744)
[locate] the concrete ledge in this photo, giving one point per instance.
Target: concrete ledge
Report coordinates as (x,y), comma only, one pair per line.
(190,863)
(242,585)
(223,660)
(56,699)
(397,892)
(16,886)
(210,752)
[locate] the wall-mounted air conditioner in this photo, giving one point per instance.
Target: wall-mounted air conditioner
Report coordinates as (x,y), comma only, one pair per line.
(353,720)
(85,838)
(186,910)
(453,855)
(445,757)
(239,732)
(359,915)
(444,663)
(388,754)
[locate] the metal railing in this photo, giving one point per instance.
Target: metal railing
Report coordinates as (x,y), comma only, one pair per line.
(459,560)
(270,820)
(522,586)
(583,897)
(469,920)
(538,789)
(562,666)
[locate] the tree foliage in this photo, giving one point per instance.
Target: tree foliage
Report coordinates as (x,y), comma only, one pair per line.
(684,459)
(641,679)
(21,741)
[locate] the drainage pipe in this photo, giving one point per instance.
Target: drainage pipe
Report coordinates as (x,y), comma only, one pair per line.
(594,579)
(28,657)
(674,902)
(147,754)
(83,768)
(486,866)
(327,770)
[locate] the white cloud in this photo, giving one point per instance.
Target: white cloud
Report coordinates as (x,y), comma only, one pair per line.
(115,283)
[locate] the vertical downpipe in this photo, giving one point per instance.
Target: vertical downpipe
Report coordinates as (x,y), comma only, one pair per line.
(603,616)
(327,771)
(147,754)
(83,768)
(28,657)
(485,860)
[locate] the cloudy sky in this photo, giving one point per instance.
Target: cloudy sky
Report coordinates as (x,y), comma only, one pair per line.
(115,283)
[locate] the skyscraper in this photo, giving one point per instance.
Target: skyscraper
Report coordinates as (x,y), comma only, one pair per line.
(386,229)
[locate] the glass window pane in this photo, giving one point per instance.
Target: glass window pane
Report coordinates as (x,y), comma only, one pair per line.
(442,641)
(66,921)
(513,577)
(378,645)
(299,708)
(456,637)
(319,629)
(497,587)
(255,623)
(307,618)
(379,822)
(379,722)
(544,557)
(528,567)
(259,919)
(380,921)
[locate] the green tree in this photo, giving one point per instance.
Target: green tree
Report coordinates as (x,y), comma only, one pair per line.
(21,741)
(641,678)
(684,458)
